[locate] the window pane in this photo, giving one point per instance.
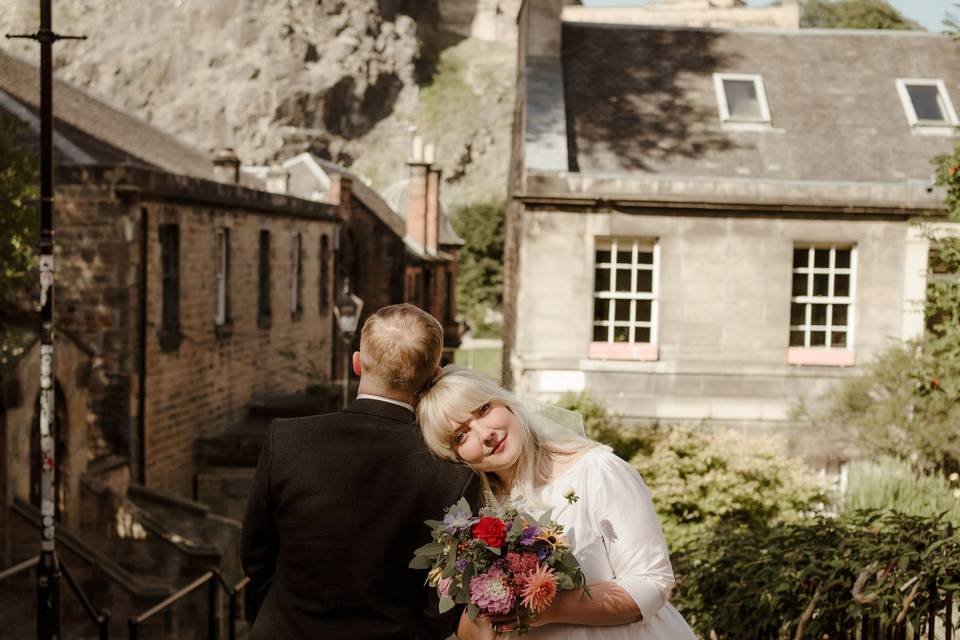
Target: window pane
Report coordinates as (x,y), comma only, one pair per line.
(599,334)
(625,254)
(841,284)
(641,334)
(603,255)
(818,315)
(621,334)
(839,315)
(818,338)
(926,102)
(799,284)
(821,284)
(838,339)
(843,259)
(742,99)
(801,258)
(645,281)
(601,310)
(798,313)
(623,280)
(601,280)
(622,310)
(644,310)
(821,258)
(796,338)
(645,257)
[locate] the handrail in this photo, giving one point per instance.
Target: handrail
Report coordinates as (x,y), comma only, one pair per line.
(17,568)
(187,590)
(101,617)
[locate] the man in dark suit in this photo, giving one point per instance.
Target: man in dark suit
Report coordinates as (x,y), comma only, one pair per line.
(339,502)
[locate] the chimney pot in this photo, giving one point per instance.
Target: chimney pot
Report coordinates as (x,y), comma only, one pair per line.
(226,166)
(278,180)
(428,153)
(417,151)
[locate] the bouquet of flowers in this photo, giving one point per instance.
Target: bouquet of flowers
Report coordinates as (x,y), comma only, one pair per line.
(499,562)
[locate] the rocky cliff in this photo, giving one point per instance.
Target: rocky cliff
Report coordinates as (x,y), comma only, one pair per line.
(347,79)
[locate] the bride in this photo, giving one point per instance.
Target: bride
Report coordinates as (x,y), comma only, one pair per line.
(613,529)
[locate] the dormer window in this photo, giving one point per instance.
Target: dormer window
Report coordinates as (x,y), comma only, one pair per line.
(927,105)
(741,98)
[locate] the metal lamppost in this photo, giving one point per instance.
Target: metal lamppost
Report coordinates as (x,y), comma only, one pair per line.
(48,569)
(346,309)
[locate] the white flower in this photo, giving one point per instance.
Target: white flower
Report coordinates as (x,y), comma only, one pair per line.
(955,477)
(570,495)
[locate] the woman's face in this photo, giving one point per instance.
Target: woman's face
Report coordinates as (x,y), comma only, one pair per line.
(490,440)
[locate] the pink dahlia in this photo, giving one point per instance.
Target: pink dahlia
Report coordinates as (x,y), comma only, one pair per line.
(540,590)
(491,592)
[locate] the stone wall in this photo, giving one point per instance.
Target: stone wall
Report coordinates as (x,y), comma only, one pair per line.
(725,286)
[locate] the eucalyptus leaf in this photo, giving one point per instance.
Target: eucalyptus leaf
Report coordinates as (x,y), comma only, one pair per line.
(446,604)
(429,549)
(473,611)
(420,562)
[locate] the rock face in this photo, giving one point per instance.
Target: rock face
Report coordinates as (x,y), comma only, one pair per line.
(342,78)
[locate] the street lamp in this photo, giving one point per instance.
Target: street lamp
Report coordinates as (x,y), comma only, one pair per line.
(346,309)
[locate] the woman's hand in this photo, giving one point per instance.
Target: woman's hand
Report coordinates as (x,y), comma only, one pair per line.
(479,629)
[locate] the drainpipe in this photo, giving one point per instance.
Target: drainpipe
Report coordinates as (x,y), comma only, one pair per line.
(142,392)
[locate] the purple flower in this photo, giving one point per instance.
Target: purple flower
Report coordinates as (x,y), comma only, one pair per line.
(458,520)
(542,553)
(461,564)
(528,534)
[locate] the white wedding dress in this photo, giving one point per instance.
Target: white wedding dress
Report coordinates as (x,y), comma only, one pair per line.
(614,533)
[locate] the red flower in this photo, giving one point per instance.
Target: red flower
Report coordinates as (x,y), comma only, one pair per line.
(492,531)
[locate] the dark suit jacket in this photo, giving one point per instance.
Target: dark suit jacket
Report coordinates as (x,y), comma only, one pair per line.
(337,508)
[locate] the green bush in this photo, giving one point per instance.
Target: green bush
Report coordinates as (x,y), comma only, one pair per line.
(701,479)
(608,428)
(893,484)
(764,583)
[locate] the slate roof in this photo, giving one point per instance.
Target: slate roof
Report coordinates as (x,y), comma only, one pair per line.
(641,100)
(88,131)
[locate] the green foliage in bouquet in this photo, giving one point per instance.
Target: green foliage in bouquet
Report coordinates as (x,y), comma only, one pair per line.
(817,578)
(700,479)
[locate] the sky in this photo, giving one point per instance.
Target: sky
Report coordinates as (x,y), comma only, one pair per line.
(929,13)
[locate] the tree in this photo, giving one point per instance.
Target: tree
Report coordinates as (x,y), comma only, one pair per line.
(18,225)
(480,266)
(853,14)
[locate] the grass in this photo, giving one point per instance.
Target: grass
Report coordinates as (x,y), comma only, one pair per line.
(485,360)
(892,484)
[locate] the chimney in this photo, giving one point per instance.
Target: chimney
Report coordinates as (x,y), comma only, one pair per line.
(226,166)
(432,204)
(416,205)
(278,180)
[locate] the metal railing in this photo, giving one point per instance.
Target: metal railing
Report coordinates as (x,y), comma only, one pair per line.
(214,580)
(99,617)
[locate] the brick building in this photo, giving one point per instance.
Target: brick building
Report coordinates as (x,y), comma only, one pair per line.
(393,247)
(180,298)
(723,221)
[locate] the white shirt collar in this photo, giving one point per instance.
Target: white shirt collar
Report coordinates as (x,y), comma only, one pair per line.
(370,396)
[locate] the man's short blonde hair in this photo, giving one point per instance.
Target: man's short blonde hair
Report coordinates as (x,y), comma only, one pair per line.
(400,346)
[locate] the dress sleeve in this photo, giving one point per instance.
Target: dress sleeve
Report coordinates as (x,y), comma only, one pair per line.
(624,515)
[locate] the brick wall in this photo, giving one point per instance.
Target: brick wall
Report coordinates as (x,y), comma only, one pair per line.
(203,386)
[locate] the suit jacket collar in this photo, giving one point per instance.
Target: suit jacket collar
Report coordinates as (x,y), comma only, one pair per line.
(371,407)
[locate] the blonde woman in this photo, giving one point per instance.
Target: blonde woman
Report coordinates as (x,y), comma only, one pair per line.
(613,529)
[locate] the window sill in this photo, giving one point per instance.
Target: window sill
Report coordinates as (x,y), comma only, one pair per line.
(223,331)
(170,339)
(820,357)
(624,351)
(936,130)
(756,126)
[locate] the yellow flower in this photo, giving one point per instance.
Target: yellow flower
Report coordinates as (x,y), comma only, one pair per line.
(553,538)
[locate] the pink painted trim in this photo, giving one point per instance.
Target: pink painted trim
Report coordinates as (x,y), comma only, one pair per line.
(624,351)
(821,357)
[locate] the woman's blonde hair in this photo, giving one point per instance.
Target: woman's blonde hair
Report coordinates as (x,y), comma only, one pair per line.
(452,398)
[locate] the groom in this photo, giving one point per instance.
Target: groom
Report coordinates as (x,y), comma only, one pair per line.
(339,502)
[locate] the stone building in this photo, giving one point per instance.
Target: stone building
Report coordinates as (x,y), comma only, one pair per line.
(180,299)
(721,222)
